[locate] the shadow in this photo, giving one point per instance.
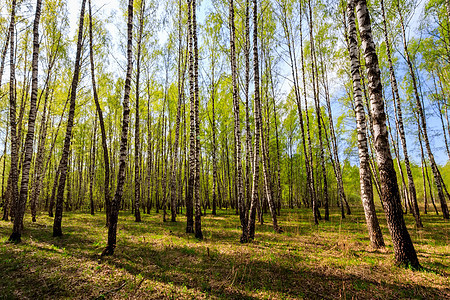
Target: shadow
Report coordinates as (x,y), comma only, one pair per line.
(157,260)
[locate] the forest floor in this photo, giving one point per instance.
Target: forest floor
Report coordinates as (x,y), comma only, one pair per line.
(156,260)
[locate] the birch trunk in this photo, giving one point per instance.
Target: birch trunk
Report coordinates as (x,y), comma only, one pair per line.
(57,231)
(175,163)
(237,126)
(190,190)
(318,116)
(405,254)
(198,212)
(115,203)
(248,134)
(93,153)
(12,193)
(250,234)
(434,167)
(399,124)
(28,150)
(107,183)
(337,164)
(312,188)
(365,180)
(137,134)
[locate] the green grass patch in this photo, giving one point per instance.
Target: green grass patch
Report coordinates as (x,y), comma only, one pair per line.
(157,260)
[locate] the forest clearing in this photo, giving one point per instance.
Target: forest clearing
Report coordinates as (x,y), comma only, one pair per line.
(157,260)
(229,149)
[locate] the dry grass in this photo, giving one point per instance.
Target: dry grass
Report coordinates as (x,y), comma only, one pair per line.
(156,260)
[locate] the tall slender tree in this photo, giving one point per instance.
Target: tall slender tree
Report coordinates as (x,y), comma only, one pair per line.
(365,180)
(405,253)
(248,135)
(198,212)
(175,163)
(99,111)
(137,142)
(237,125)
(190,189)
(28,151)
(314,72)
(293,61)
(399,122)
(312,188)
(250,234)
(11,189)
(420,110)
(63,164)
(116,201)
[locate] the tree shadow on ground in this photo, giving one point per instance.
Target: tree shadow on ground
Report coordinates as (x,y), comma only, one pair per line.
(156,260)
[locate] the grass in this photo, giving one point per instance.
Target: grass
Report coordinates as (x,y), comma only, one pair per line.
(156,260)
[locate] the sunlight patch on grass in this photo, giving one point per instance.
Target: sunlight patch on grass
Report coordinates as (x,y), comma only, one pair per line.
(156,260)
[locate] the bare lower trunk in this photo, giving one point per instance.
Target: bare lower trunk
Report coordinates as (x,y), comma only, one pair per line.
(38,166)
(404,190)
(214,150)
(337,164)
(278,168)
(425,170)
(5,145)
(92,167)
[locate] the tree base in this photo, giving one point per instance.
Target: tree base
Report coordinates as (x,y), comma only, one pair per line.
(243,239)
(377,248)
(409,265)
(108,251)
(15,238)
(57,232)
(199,235)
